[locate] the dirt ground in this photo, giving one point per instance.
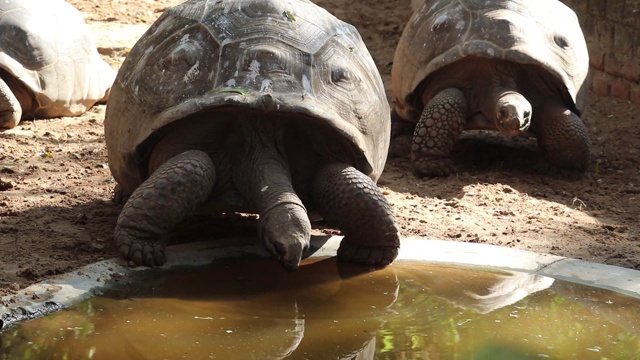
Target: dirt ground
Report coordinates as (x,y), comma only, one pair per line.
(56,212)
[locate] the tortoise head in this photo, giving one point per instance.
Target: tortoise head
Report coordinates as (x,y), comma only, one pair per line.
(285,230)
(513,114)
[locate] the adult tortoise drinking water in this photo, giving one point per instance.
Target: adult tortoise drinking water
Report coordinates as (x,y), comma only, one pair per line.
(514,66)
(49,64)
(266,106)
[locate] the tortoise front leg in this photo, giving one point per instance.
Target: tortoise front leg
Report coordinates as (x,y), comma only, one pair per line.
(351,201)
(175,189)
(562,138)
(441,123)
(10,109)
(401,136)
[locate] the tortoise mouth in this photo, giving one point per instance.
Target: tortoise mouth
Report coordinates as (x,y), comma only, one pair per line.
(513,114)
(514,125)
(526,121)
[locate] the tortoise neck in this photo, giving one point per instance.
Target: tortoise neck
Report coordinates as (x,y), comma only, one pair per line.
(261,170)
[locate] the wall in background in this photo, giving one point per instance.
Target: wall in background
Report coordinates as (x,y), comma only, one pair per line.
(612,31)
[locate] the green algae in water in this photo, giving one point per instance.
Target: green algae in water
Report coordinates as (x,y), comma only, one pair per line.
(253,309)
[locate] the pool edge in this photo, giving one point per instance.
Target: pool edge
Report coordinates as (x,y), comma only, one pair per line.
(64,290)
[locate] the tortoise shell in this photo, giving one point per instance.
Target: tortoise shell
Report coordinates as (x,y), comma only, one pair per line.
(545,33)
(267,55)
(47,47)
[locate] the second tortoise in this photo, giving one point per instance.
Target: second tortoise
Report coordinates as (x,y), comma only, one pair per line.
(49,64)
(518,67)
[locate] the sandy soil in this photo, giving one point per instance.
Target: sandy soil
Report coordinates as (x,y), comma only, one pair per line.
(55,186)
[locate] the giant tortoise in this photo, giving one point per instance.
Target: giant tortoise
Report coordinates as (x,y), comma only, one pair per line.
(270,106)
(49,64)
(515,66)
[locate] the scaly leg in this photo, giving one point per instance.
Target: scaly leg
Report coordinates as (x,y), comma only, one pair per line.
(563,139)
(175,189)
(350,200)
(436,132)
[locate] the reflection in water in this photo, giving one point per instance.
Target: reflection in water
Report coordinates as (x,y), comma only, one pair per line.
(509,290)
(488,291)
(253,309)
(233,310)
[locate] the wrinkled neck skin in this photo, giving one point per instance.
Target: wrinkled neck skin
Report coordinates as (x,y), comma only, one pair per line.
(511,111)
(261,169)
(262,175)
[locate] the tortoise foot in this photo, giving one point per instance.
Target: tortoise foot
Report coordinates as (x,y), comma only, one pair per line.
(352,202)
(564,141)
(434,166)
(120,195)
(175,189)
(139,252)
(401,136)
(400,146)
(366,255)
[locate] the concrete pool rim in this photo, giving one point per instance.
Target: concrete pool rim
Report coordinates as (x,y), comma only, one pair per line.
(67,289)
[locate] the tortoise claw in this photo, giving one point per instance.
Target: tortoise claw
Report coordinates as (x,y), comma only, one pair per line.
(367,255)
(120,196)
(142,253)
(400,146)
(434,166)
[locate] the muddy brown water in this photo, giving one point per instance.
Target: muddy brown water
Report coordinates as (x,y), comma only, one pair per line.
(253,309)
